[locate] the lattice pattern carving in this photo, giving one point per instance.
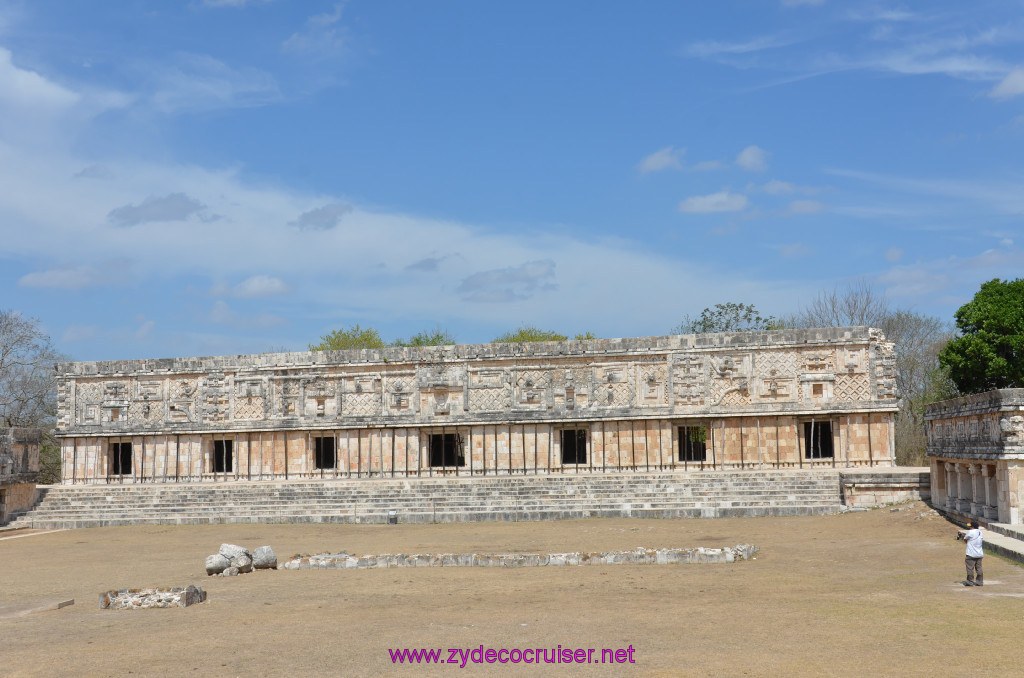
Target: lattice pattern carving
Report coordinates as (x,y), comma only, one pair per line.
(361,404)
(852,387)
(490,399)
(250,407)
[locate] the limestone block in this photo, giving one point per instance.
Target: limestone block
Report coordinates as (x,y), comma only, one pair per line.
(230,572)
(264,558)
(216,564)
(231,551)
(242,563)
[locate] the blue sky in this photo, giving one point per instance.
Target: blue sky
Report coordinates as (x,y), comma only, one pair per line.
(230,176)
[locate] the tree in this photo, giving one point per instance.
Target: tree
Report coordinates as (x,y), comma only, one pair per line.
(727,317)
(28,384)
(917,340)
(434,337)
(989,354)
(857,304)
(528,333)
(351,338)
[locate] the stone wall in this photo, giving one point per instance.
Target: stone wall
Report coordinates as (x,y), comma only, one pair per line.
(19,470)
(752,399)
(976,448)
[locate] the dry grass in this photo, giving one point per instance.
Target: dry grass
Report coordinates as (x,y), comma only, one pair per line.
(873,593)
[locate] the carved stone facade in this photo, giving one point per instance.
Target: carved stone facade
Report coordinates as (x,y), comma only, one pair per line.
(784,399)
(19,470)
(976,445)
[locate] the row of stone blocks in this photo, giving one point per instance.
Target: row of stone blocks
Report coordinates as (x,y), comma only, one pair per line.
(705,494)
(637,556)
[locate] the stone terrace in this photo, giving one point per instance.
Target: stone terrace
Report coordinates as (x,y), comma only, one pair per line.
(707,494)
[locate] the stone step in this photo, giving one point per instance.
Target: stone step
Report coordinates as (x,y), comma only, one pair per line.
(654,494)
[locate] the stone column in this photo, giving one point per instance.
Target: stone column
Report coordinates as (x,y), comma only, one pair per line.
(963,494)
(951,488)
(977,503)
(988,473)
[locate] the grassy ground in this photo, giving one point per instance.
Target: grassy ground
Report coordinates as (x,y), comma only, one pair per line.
(874,593)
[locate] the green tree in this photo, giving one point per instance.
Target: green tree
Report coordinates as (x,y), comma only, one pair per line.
(727,317)
(434,337)
(989,354)
(528,333)
(348,338)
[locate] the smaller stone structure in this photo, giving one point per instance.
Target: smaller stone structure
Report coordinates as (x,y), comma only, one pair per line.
(19,470)
(976,447)
(147,598)
(638,556)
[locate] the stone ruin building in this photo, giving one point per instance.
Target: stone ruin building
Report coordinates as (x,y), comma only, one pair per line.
(976,446)
(19,469)
(817,398)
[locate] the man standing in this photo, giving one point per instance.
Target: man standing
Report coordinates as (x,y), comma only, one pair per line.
(974,555)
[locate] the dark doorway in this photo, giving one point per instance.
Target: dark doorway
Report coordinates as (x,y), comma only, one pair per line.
(324,452)
(222,457)
(693,443)
(574,446)
(818,440)
(446,450)
(121,459)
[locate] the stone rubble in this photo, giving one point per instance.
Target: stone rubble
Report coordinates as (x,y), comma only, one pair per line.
(638,556)
(232,560)
(148,598)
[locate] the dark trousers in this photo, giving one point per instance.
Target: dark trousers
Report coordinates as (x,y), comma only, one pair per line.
(974,569)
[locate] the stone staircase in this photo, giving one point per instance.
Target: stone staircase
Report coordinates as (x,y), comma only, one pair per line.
(705,494)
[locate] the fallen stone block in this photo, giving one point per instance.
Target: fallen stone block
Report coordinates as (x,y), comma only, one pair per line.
(149,598)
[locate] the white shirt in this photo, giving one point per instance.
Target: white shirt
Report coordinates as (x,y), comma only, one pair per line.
(973,539)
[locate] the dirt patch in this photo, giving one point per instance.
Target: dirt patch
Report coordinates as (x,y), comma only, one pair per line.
(853,594)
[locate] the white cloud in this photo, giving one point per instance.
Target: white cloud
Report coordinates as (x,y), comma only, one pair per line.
(321,218)
(723,201)
(64,278)
(805,207)
(800,3)
(1012,85)
(222,313)
(893,254)
(323,36)
(259,286)
(198,82)
(753,158)
(666,158)
(712,48)
(25,89)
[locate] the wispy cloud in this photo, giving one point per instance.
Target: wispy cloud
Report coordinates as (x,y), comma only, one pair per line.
(723,201)
(254,287)
(1011,86)
(669,157)
(71,278)
(198,82)
(713,48)
(322,37)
